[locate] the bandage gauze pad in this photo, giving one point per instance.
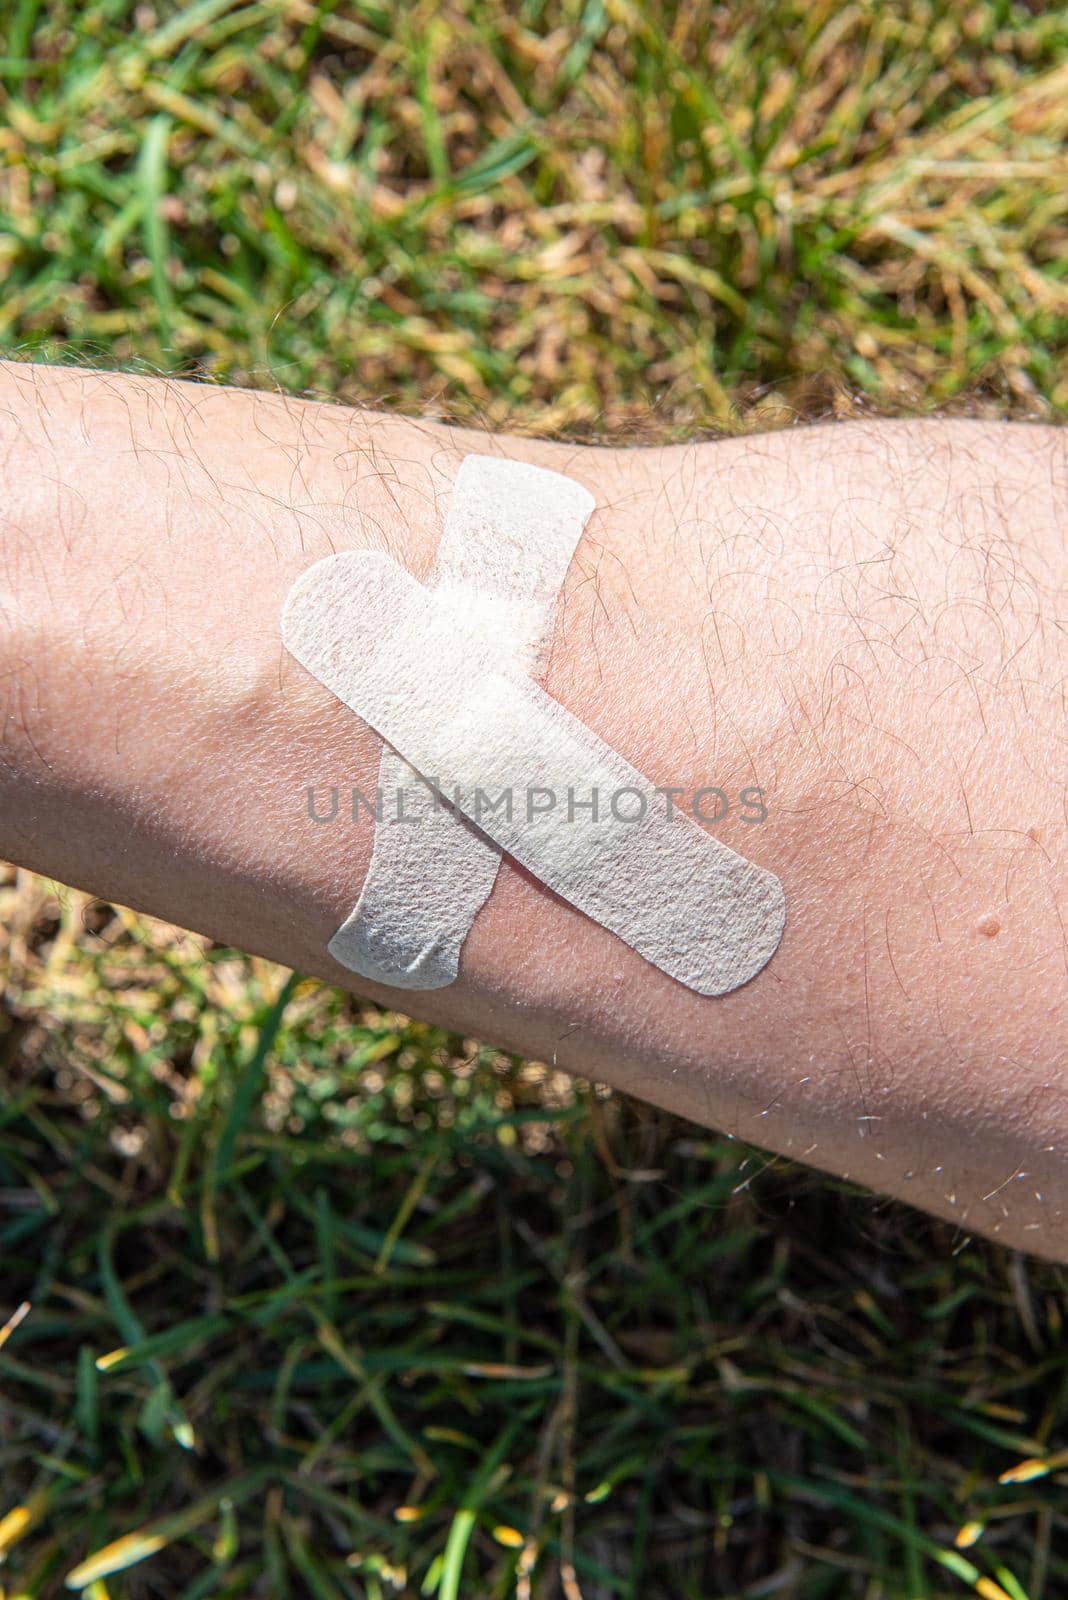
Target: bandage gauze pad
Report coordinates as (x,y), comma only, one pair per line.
(425,672)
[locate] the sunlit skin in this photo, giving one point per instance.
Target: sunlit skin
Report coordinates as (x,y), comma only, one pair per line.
(864,621)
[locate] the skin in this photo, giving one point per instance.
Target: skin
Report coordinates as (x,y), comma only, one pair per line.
(866,621)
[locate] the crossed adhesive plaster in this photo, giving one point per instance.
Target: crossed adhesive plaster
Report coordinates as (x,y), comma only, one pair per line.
(442,674)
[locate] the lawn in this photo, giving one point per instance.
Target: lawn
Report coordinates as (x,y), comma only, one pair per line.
(307,1299)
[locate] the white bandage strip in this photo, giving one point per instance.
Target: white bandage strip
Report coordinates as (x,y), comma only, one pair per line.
(412,666)
(509,536)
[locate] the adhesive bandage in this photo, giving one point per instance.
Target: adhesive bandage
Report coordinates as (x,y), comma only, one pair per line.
(686,902)
(509,536)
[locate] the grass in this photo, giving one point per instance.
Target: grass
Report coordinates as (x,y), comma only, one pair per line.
(326,1303)
(583,217)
